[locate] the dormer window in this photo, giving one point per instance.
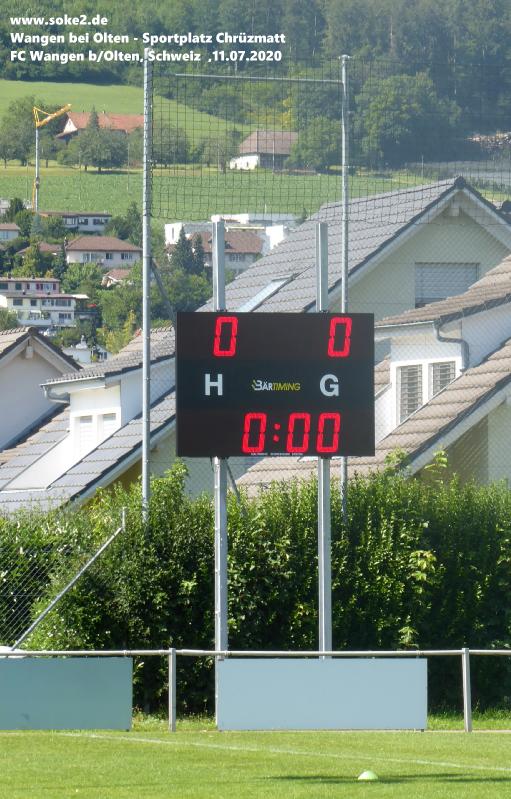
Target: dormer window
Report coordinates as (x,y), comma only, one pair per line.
(419,382)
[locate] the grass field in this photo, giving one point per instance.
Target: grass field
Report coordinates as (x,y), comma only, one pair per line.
(187,193)
(197,761)
(115,99)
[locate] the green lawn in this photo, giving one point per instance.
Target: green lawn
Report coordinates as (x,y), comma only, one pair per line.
(187,193)
(197,761)
(116,99)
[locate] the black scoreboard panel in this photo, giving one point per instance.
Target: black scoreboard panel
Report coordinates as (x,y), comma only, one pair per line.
(274,383)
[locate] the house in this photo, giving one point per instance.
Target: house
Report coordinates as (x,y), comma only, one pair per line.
(39,301)
(76,122)
(44,247)
(27,359)
(267,149)
(446,386)
(108,251)
(8,232)
(114,277)
(81,221)
(242,248)
(99,432)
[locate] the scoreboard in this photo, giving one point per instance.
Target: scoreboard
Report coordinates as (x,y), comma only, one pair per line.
(274,383)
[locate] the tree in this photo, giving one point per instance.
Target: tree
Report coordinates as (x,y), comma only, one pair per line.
(182,257)
(402,119)
(54,228)
(127,227)
(170,145)
(8,319)
(318,146)
(17,126)
(99,147)
(24,221)
(15,206)
(198,267)
(37,226)
(34,262)
(83,279)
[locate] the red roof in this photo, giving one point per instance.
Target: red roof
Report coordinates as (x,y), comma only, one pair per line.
(8,226)
(101,244)
(236,241)
(43,246)
(124,122)
(268,142)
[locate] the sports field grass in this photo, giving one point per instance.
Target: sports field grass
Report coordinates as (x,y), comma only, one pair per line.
(197,761)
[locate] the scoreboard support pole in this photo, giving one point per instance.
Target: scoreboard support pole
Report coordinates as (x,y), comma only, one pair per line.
(324,511)
(220,472)
(345,240)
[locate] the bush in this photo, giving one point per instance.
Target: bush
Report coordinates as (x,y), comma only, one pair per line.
(417,565)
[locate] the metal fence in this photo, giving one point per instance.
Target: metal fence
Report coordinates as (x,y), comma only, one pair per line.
(172,654)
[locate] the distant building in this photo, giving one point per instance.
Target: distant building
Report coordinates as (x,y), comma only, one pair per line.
(44,247)
(242,248)
(114,277)
(38,302)
(81,221)
(267,149)
(76,122)
(107,251)
(8,231)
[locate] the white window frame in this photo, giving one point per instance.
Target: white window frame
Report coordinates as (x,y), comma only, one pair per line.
(427,380)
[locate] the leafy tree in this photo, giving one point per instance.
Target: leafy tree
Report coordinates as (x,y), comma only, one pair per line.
(402,118)
(127,227)
(182,257)
(8,319)
(59,265)
(15,206)
(54,228)
(17,126)
(37,227)
(34,262)
(170,145)
(99,147)
(318,146)
(83,279)
(198,255)
(5,146)
(24,220)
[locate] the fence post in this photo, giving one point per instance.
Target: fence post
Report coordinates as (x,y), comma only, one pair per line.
(172,690)
(467,693)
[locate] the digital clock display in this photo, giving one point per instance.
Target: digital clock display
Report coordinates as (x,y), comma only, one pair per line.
(274,383)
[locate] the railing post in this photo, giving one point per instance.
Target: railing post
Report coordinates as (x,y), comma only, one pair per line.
(172,690)
(467,693)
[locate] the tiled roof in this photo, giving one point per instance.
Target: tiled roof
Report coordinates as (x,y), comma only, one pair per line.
(118,274)
(423,429)
(242,241)
(130,357)
(42,246)
(8,226)
(88,472)
(123,122)
(493,289)
(10,338)
(72,214)
(268,142)
(101,244)
(375,222)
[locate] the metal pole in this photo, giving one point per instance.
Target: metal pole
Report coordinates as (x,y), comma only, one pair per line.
(146,293)
(37,177)
(220,471)
(324,513)
(172,690)
(467,691)
(344,239)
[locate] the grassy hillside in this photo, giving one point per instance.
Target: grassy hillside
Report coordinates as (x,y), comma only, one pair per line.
(116,99)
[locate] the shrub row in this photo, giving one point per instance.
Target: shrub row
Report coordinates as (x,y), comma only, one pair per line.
(416,565)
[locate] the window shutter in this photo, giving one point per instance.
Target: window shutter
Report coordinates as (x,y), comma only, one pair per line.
(441,374)
(409,390)
(436,281)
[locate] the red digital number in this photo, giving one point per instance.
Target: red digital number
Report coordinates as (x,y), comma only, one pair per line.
(343,352)
(320,441)
(291,445)
(248,432)
(230,350)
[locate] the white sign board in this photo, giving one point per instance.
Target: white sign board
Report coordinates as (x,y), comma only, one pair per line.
(322,694)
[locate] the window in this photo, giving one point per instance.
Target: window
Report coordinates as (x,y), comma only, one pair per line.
(33,303)
(236,256)
(4,285)
(85,433)
(17,302)
(87,257)
(126,256)
(83,220)
(17,286)
(436,281)
(109,423)
(109,256)
(63,317)
(98,221)
(440,375)
(409,390)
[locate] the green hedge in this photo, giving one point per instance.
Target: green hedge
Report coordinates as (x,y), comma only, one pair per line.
(418,565)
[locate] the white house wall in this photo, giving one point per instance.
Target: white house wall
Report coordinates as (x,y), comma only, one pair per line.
(499,444)
(486,331)
(22,401)
(389,289)
(384,413)
(162,380)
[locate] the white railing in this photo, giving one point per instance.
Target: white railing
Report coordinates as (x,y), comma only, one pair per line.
(171,654)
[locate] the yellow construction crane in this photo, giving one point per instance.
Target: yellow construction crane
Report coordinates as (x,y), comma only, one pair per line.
(41,118)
